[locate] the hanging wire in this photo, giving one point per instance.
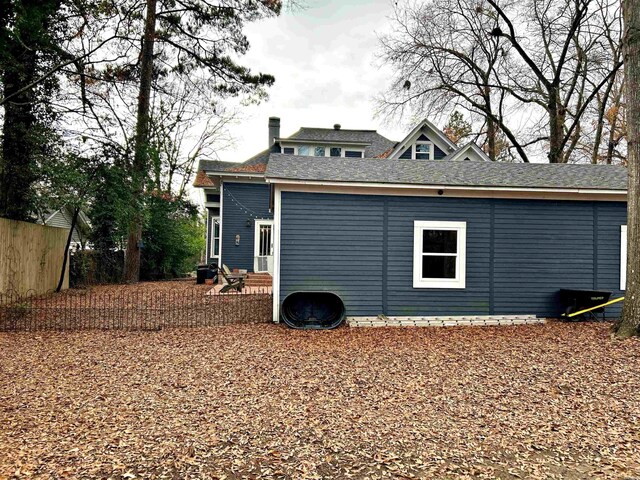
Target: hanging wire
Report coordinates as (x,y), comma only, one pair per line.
(245,209)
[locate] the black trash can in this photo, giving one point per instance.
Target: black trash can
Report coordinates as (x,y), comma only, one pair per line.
(212,273)
(201,273)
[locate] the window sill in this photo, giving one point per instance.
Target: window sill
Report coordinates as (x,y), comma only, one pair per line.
(422,284)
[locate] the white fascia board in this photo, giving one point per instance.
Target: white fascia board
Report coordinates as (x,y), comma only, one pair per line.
(275,289)
(462,150)
(448,190)
(234,174)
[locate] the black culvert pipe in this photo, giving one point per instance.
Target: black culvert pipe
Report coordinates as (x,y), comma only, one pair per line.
(313,310)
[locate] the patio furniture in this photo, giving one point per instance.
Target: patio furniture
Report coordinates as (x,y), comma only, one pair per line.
(235,281)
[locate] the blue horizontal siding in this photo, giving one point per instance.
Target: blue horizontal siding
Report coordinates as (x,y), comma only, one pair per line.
(242,202)
(339,243)
(334,248)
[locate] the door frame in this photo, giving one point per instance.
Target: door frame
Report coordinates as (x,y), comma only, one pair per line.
(256,241)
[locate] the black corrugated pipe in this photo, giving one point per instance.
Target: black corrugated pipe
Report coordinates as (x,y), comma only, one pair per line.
(313,310)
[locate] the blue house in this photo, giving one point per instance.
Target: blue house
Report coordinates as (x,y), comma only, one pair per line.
(416,228)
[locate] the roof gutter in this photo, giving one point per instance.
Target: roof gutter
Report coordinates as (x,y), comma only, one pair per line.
(236,174)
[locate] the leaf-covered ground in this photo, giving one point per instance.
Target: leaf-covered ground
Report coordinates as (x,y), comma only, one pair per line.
(261,401)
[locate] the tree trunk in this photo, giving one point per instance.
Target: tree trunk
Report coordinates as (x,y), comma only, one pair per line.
(139,168)
(491,126)
(556,127)
(17,159)
(74,221)
(630,322)
(612,142)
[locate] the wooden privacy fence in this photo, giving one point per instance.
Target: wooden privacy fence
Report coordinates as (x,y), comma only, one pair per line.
(131,309)
(31,257)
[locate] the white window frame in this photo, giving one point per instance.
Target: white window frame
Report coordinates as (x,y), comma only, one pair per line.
(327,149)
(431,150)
(213,237)
(623,257)
(461,261)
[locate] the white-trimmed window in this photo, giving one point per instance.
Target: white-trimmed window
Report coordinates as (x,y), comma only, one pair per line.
(423,151)
(304,150)
(623,257)
(214,247)
(439,254)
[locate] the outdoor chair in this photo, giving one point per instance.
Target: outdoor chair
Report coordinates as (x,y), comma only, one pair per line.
(234,281)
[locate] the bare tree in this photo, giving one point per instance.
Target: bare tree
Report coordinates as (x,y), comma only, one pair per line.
(445,58)
(542,59)
(630,323)
(185,129)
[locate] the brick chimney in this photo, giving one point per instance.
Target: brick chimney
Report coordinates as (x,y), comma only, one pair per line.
(274,130)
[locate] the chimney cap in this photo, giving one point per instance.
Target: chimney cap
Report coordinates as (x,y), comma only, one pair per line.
(274,119)
(336,126)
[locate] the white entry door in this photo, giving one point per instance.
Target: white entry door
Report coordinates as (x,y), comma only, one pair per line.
(263,246)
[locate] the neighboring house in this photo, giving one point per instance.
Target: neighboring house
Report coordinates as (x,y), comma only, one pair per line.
(416,228)
(62,218)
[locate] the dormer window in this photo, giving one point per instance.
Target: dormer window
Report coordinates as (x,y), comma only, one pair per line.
(335,152)
(319,152)
(423,151)
(304,150)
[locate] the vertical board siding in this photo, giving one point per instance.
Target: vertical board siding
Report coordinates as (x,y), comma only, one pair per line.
(31,257)
(337,242)
(242,202)
(333,243)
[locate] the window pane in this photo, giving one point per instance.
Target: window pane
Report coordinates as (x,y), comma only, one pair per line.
(439,241)
(319,152)
(438,267)
(216,248)
(335,151)
(288,150)
(304,150)
(216,228)
(352,154)
(423,151)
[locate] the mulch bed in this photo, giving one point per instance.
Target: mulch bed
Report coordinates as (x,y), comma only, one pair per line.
(260,401)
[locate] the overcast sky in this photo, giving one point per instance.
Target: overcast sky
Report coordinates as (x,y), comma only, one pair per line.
(323,61)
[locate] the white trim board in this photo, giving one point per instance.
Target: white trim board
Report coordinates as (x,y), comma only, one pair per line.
(221,223)
(448,191)
(444,321)
(275,292)
(623,257)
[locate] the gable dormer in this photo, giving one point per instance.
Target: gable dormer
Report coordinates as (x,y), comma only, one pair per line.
(424,142)
(424,149)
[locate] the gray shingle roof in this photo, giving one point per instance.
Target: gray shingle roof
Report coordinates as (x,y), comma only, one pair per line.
(377,144)
(448,173)
(216,165)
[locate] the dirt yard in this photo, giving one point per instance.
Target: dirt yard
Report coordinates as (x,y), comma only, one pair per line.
(261,401)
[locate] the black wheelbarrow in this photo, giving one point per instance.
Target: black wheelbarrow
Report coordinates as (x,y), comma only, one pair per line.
(574,301)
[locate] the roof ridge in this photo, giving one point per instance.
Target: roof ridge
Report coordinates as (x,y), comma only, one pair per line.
(341,129)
